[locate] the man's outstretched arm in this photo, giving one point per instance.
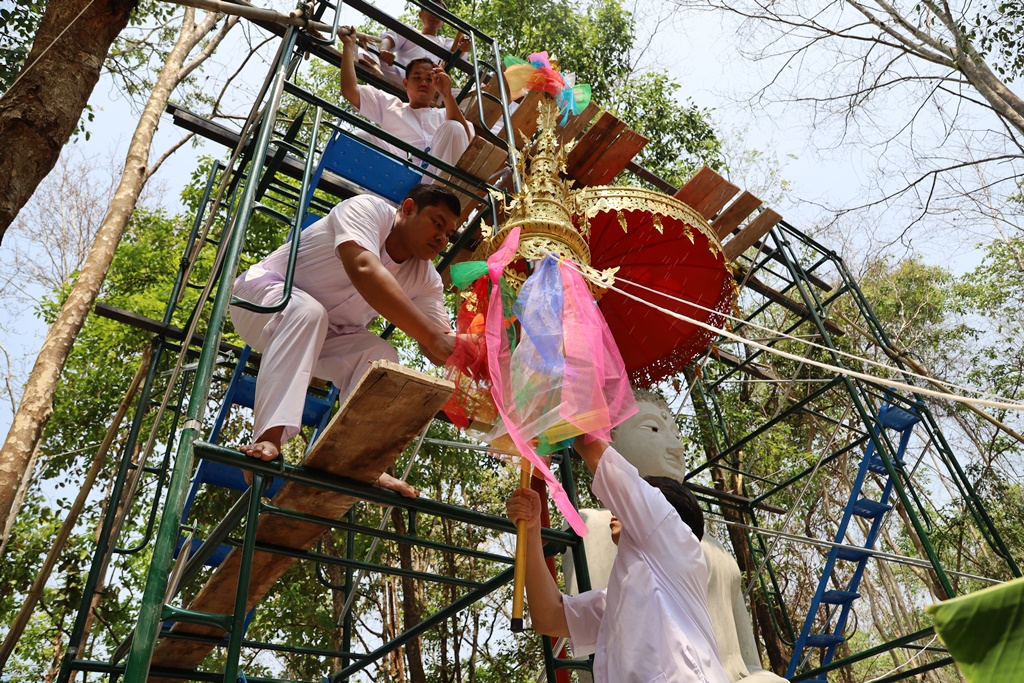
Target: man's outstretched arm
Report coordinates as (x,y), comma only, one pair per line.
(590,452)
(381,290)
(547,615)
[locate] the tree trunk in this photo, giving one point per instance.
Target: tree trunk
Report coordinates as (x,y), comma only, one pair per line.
(35,592)
(43,107)
(37,400)
(412,610)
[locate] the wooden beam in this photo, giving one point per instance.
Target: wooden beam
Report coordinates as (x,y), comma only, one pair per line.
(525,119)
(290,166)
(615,158)
(388,408)
(168,331)
(577,124)
(755,370)
(592,145)
(706,192)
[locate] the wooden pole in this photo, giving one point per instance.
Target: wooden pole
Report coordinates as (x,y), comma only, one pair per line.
(519,581)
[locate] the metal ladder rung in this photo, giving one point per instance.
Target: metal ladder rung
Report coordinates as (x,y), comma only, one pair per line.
(824,640)
(853,554)
(870,509)
(837,597)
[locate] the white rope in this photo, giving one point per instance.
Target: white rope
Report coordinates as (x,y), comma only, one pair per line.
(54,42)
(783,335)
(906,663)
(1004,404)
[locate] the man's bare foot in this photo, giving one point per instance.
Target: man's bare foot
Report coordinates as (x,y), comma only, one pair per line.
(266,448)
(386,481)
(262,450)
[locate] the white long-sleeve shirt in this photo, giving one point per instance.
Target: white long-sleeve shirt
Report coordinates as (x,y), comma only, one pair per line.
(651,625)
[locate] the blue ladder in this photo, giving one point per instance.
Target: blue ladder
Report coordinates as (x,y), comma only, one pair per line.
(840,599)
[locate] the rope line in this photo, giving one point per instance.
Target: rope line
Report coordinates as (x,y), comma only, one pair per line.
(52,43)
(783,335)
(1003,403)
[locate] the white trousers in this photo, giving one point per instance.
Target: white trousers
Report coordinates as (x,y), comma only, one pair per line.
(449,142)
(297,345)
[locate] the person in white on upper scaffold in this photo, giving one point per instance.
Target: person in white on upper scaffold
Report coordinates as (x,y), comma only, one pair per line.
(396,50)
(443,132)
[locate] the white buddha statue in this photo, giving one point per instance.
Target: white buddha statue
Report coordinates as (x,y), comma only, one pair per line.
(650,441)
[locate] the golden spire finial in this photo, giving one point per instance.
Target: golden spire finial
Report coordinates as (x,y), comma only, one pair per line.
(542,209)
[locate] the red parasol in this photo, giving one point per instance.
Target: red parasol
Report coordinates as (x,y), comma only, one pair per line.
(658,242)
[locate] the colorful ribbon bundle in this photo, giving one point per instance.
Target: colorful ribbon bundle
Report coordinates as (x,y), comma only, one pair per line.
(538,74)
(563,378)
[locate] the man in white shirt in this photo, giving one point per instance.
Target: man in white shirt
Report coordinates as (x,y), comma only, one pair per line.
(362,260)
(651,625)
(396,50)
(444,133)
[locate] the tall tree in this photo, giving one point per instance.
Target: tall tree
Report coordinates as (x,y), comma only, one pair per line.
(43,105)
(924,87)
(37,398)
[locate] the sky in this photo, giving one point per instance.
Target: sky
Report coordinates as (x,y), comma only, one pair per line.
(702,50)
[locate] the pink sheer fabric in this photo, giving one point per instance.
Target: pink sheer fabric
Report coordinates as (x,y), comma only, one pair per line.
(596,393)
(499,362)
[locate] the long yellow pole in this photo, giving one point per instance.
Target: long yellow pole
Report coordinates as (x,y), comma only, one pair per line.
(519,582)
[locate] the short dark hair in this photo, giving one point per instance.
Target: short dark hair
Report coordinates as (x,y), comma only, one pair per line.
(433,195)
(418,60)
(682,499)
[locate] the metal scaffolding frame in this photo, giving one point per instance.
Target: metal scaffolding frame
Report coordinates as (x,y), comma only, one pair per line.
(260,178)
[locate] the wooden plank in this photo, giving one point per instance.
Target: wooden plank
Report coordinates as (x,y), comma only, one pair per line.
(492,109)
(614,159)
(735,213)
(592,144)
(711,204)
(525,119)
(388,408)
(778,297)
(577,124)
(753,231)
(697,188)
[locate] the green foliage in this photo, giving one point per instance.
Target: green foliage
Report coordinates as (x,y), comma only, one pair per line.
(18,26)
(595,39)
(997,32)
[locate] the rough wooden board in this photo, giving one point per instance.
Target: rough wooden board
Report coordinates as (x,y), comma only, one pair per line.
(387,410)
(482,160)
(592,145)
(699,187)
(615,158)
(469,160)
(492,109)
(754,231)
(713,202)
(734,214)
(525,119)
(576,124)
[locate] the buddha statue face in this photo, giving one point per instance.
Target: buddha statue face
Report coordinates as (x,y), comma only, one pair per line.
(650,441)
